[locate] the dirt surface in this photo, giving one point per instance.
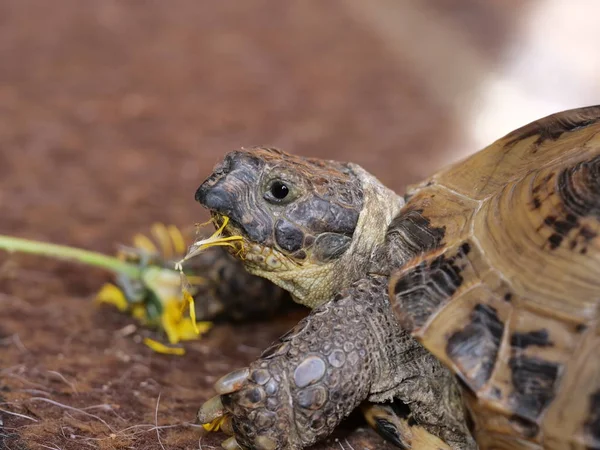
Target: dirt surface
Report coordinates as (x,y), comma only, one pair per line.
(111,115)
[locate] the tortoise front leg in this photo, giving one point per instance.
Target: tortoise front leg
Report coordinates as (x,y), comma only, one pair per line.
(301,387)
(346,351)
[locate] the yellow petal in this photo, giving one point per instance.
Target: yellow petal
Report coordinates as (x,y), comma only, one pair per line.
(177,239)
(171,328)
(144,243)
(139,313)
(203,224)
(174,309)
(203,326)
(187,331)
(214,425)
(176,326)
(214,240)
(111,294)
(160,233)
(196,280)
(190,301)
(162,348)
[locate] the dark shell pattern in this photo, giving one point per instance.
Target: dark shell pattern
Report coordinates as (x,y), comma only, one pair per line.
(507,293)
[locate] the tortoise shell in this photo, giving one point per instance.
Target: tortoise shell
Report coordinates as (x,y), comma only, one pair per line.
(507,294)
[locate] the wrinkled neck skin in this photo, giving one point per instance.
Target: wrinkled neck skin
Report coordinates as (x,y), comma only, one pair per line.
(317,284)
(365,255)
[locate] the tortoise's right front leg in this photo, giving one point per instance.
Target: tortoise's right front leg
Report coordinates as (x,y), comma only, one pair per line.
(346,351)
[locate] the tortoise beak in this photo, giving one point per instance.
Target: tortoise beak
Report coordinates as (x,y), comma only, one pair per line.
(231,191)
(229,179)
(216,198)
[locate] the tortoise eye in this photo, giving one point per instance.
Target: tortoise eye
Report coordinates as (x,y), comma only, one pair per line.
(279,190)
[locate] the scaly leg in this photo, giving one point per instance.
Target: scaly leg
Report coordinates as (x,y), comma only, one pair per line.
(345,352)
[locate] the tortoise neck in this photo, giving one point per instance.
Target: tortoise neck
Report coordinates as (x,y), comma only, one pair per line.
(365,254)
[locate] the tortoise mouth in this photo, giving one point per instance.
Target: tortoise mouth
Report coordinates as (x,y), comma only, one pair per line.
(258,258)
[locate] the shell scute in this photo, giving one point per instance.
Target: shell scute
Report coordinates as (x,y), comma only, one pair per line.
(522,151)
(428,282)
(475,347)
(516,316)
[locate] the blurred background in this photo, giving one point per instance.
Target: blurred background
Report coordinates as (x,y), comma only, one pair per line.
(113,112)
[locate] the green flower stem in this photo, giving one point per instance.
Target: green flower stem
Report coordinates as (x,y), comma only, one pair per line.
(14,244)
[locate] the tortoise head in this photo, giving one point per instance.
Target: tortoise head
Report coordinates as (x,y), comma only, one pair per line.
(298,217)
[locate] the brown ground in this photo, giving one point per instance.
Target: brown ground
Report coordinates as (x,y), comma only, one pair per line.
(111,114)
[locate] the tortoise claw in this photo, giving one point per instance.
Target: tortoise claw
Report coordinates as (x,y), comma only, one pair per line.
(265,443)
(211,410)
(231,444)
(232,382)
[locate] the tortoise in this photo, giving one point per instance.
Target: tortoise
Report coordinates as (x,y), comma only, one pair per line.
(463,314)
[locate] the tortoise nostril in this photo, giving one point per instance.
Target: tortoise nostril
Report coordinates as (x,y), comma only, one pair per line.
(211,183)
(224,167)
(220,171)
